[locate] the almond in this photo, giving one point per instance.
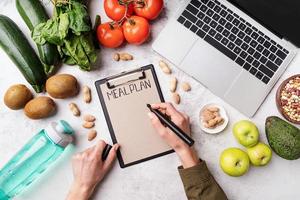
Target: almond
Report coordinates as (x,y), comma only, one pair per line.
(186,86)
(116,57)
(88,125)
(89,118)
(213,109)
(87,97)
(74,108)
(165,67)
(176,98)
(126,56)
(173,84)
(92,134)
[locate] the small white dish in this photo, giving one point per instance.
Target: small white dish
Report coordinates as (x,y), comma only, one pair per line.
(217,129)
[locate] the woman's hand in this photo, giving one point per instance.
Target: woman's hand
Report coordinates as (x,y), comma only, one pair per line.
(187,155)
(89,170)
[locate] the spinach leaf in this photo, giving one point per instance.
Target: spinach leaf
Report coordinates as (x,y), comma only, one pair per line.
(63,26)
(55,30)
(76,51)
(89,48)
(71,30)
(37,34)
(69,61)
(79,19)
(80,49)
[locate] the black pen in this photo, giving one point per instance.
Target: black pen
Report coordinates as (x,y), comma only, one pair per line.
(106,151)
(163,118)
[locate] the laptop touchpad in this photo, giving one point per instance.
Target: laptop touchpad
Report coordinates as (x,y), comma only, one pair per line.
(174,42)
(209,66)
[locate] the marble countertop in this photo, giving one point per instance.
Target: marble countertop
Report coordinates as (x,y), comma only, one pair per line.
(156,179)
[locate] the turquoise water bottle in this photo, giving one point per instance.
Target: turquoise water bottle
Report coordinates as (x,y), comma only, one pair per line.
(42,150)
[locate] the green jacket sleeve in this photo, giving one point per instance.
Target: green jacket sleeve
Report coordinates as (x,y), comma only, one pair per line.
(199,184)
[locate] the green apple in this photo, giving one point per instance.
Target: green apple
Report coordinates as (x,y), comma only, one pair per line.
(260,154)
(234,162)
(246,133)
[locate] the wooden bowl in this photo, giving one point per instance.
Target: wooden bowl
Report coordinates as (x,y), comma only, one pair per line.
(278,99)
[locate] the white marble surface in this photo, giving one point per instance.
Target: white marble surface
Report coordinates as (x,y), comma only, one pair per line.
(156,179)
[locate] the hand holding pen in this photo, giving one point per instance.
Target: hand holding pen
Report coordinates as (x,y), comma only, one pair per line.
(165,120)
(187,154)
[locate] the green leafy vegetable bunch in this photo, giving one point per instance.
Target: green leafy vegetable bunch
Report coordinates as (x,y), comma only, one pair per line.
(71,30)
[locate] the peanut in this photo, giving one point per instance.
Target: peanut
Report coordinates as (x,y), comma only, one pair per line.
(207,115)
(173,84)
(165,67)
(74,108)
(186,86)
(213,109)
(212,123)
(126,56)
(219,120)
(87,97)
(176,98)
(216,114)
(92,134)
(89,118)
(116,57)
(211,117)
(205,124)
(88,124)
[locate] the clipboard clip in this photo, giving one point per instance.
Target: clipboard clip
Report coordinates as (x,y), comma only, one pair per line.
(125,77)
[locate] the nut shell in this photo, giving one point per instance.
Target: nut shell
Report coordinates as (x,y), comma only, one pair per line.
(87,96)
(88,125)
(176,98)
(173,84)
(74,109)
(89,118)
(165,67)
(91,135)
(186,86)
(125,56)
(116,57)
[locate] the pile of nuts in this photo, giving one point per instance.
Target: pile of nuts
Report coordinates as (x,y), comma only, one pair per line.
(290,99)
(185,86)
(122,56)
(165,68)
(211,117)
(89,120)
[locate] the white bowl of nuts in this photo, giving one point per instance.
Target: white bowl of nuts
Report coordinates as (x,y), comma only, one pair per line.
(288,99)
(213,118)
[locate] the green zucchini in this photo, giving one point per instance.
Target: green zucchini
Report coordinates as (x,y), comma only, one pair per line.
(34,13)
(17,47)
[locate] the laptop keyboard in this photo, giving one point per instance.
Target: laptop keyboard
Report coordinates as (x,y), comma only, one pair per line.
(234,37)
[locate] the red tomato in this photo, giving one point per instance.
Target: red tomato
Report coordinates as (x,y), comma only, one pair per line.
(136,30)
(115,10)
(150,9)
(110,35)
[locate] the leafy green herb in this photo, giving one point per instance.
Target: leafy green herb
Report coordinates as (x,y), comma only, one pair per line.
(80,49)
(79,19)
(70,29)
(37,34)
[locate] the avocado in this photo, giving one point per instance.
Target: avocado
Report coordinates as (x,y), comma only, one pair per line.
(283,138)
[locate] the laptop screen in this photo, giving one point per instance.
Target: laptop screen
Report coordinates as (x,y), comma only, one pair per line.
(280,16)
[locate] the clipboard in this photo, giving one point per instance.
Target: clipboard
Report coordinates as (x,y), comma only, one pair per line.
(123,98)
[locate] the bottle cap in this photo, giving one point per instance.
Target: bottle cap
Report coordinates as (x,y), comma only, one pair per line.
(60,133)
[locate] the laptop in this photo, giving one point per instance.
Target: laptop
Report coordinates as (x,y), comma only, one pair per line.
(238,49)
